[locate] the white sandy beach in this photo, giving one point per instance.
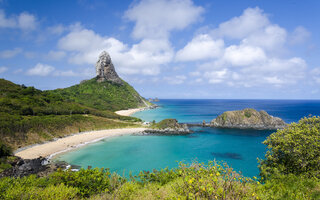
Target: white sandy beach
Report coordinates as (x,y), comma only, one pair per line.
(71,142)
(129,111)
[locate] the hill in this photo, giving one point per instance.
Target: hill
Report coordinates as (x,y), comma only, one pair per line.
(104,95)
(107,91)
(29,115)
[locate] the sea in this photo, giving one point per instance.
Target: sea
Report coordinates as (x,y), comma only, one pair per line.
(239,149)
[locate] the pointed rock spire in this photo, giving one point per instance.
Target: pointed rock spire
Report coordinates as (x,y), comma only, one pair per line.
(105,70)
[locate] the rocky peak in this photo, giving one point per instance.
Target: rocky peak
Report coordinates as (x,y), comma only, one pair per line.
(105,70)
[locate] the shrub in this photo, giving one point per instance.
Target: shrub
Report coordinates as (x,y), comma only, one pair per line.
(88,181)
(5,150)
(293,150)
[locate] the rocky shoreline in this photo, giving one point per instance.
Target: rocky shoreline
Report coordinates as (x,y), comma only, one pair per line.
(24,167)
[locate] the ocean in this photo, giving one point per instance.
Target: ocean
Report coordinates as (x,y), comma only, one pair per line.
(238,148)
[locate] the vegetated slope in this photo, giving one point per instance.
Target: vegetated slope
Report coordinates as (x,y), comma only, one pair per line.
(104,95)
(29,115)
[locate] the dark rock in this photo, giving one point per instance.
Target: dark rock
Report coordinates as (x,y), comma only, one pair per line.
(24,167)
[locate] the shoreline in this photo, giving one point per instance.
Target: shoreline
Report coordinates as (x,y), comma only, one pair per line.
(53,148)
(130,112)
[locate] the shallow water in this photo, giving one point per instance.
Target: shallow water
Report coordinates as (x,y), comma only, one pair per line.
(239,148)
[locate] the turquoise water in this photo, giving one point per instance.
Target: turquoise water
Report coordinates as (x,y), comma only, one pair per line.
(239,148)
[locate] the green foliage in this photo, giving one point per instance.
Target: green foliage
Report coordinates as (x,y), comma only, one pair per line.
(5,150)
(214,182)
(289,187)
(34,188)
(294,150)
(166,123)
(103,96)
(247,113)
(195,181)
(88,182)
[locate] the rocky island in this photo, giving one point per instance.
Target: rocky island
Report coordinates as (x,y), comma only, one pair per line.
(248,119)
(168,127)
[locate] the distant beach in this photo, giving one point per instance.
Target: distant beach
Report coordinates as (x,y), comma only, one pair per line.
(130,112)
(70,142)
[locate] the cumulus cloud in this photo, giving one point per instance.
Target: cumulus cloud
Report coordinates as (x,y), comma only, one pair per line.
(250,59)
(142,58)
(251,20)
(243,55)
(156,18)
(299,35)
(201,47)
(24,21)
(3,69)
(10,53)
(40,70)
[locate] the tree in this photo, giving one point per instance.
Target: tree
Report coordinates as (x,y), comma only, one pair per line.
(293,150)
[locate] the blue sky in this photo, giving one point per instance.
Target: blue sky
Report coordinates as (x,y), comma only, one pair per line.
(249,49)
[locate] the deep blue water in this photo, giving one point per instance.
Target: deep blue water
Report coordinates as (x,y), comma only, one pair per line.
(239,148)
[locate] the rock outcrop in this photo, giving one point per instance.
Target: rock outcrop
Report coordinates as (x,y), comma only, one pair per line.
(168,127)
(105,70)
(25,167)
(248,119)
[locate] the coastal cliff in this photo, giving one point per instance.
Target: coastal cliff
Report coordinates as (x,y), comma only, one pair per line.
(248,119)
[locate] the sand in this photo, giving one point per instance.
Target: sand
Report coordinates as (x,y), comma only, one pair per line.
(68,143)
(129,111)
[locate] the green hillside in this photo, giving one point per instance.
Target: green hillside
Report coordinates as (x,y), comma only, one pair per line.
(29,115)
(103,95)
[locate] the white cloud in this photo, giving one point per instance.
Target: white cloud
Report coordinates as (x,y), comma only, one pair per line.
(216,76)
(251,20)
(6,22)
(27,21)
(142,58)
(253,57)
(201,47)
(24,21)
(243,55)
(175,80)
(40,70)
(10,53)
(3,69)
(299,35)
(156,18)
(56,55)
(270,38)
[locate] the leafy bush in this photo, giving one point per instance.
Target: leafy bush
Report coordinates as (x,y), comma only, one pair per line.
(32,187)
(293,150)
(5,150)
(88,182)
